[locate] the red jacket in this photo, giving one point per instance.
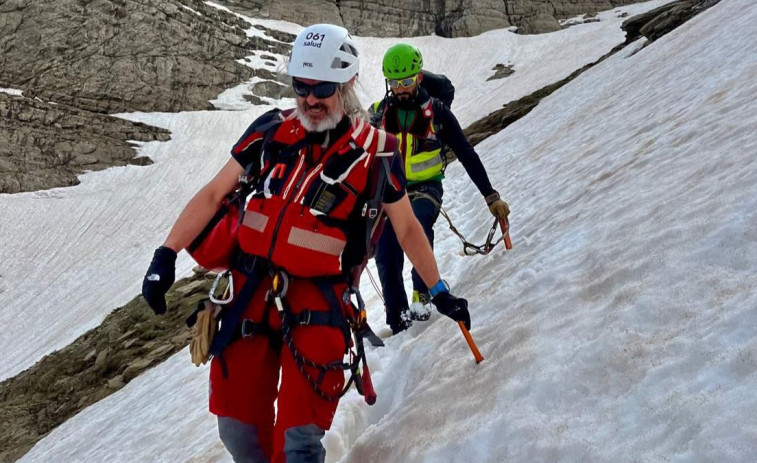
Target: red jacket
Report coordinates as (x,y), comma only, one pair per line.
(308,200)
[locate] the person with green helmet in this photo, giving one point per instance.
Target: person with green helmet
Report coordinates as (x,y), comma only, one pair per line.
(424,126)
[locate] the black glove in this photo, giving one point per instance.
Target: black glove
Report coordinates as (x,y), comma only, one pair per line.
(455,308)
(159,278)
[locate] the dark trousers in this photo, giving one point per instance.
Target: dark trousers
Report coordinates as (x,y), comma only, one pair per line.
(390,259)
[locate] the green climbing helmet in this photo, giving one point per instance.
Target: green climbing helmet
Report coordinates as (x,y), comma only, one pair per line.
(402,60)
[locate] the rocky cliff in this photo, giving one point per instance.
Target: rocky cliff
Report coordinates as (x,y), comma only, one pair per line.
(447,18)
(113,56)
(46,145)
(76,60)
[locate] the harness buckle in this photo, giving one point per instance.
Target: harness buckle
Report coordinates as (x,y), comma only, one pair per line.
(246,263)
(248,328)
(305,321)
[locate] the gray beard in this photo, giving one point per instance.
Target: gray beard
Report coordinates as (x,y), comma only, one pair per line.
(327,123)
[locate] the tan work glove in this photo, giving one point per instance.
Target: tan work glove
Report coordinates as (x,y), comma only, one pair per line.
(497,206)
(202,334)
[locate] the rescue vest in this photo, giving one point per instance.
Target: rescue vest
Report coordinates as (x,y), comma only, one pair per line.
(421,149)
(302,215)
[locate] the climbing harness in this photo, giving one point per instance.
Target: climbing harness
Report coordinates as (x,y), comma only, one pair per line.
(356,323)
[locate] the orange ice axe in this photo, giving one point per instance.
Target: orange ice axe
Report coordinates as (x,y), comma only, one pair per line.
(476,354)
(505,226)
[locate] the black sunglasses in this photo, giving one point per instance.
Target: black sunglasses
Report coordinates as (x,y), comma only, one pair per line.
(321,90)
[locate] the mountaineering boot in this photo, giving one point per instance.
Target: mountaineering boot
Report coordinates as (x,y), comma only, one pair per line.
(403,323)
(420,309)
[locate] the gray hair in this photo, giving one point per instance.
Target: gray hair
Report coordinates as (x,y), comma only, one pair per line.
(350,103)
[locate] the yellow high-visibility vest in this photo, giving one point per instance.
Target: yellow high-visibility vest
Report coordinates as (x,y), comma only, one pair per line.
(420,148)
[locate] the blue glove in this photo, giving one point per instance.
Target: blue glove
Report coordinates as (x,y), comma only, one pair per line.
(159,278)
(455,308)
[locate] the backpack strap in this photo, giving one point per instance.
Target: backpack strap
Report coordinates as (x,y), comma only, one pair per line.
(377,113)
(437,107)
(266,125)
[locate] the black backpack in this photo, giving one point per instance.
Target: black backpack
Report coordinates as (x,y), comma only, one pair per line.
(439,87)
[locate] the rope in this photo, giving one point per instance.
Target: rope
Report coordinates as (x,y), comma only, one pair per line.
(301,361)
(375,286)
(483,249)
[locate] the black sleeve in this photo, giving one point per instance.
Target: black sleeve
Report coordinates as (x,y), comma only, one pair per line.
(452,135)
(395,188)
(247,149)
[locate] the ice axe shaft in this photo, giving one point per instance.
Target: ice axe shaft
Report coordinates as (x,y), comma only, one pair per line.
(505,225)
(476,354)
(364,382)
(369,394)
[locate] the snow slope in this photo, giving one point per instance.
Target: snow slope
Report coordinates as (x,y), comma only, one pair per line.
(621,327)
(72,255)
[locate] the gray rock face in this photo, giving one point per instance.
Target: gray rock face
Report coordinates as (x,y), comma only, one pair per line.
(658,22)
(77,58)
(106,56)
(121,55)
(45,145)
(447,18)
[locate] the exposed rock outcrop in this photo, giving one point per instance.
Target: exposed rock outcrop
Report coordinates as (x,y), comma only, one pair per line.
(658,22)
(501,71)
(122,55)
(447,18)
(78,58)
(102,361)
(45,145)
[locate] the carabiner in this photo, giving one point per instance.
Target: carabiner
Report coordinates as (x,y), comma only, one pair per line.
(279,284)
(360,314)
(229,289)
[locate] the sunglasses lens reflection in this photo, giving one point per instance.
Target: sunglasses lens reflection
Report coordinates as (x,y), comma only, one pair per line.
(406,82)
(321,90)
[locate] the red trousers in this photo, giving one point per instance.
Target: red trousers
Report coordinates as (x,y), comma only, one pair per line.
(251,386)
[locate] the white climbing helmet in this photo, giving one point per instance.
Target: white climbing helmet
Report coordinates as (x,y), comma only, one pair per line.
(324,52)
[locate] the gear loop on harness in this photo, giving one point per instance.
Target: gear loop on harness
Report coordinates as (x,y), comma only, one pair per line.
(305,320)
